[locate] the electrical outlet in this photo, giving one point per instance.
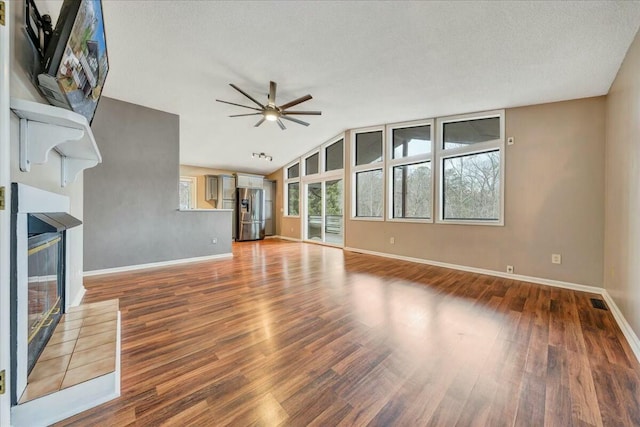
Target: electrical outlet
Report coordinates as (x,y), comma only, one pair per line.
(392,240)
(556,259)
(510,269)
(214,241)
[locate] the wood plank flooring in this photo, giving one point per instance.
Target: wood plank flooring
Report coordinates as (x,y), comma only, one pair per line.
(298,334)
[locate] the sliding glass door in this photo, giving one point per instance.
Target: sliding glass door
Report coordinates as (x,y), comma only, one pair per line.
(333,212)
(314,211)
(324,220)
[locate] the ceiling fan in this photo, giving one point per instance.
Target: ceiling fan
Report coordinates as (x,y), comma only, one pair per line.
(271,111)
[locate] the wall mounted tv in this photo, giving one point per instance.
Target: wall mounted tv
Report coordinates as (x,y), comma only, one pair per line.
(73,57)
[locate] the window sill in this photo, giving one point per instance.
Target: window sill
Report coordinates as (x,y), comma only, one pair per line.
(366,218)
(471,222)
(412,220)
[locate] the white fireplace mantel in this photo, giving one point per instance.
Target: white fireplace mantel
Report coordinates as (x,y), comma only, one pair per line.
(44,128)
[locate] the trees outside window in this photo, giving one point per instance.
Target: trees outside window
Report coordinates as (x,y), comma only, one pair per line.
(471,160)
(368,173)
(292,189)
(410,171)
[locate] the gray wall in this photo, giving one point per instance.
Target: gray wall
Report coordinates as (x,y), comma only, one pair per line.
(131,199)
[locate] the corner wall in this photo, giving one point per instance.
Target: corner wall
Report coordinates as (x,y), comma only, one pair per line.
(622,189)
(554,193)
(554,198)
(131,198)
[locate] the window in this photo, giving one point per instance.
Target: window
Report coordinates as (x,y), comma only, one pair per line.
(292,189)
(334,156)
(368,174)
(369,193)
(293,197)
(187,192)
(410,172)
(311,164)
(471,160)
(368,148)
(293,171)
(412,191)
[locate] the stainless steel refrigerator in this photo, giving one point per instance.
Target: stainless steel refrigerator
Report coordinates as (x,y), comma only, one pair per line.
(250,210)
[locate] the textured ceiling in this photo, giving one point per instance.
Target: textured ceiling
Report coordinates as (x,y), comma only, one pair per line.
(365,63)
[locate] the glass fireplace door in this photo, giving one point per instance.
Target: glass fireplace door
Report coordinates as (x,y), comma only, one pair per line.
(44,290)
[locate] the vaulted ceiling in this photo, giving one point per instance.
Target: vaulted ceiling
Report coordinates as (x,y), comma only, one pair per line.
(365,63)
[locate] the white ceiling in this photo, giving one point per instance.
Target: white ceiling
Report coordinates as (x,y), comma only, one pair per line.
(365,63)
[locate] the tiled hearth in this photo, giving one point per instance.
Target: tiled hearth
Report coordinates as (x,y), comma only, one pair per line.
(78,369)
(82,347)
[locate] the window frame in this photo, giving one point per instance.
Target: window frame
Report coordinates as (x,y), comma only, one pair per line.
(365,168)
(288,181)
(405,161)
(442,154)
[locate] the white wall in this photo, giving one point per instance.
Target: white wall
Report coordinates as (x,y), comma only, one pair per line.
(46,176)
(5,215)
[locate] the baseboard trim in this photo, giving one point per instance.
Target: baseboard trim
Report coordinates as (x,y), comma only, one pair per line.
(531,279)
(292,239)
(624,326)
(78,298)
(156,264)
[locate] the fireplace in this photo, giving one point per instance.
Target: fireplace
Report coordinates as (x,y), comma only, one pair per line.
(45,290)
(38,277)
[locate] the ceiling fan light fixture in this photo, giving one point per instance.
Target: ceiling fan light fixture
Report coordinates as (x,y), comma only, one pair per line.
(271,115)
(271,111)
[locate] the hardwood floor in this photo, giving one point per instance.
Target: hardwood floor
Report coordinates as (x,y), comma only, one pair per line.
(298,334)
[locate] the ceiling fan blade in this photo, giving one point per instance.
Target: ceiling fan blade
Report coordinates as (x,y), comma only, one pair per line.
(242,115)
(238,105)
(307,113)
(294,120)
(282,126)
(296,102)
(259,123)
(245,94)
(272,93)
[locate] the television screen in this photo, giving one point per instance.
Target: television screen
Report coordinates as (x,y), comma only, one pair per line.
(75,62)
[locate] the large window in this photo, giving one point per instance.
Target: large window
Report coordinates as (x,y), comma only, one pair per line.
(292,189)
(471,161)
(368,173)
(410,171)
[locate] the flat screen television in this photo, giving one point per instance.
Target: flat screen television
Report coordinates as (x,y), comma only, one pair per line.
(73,56)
